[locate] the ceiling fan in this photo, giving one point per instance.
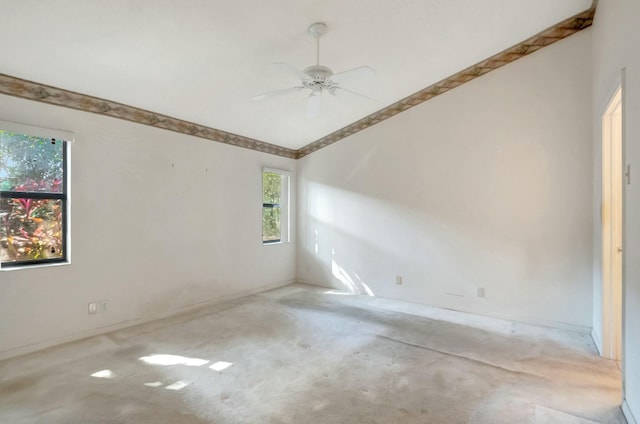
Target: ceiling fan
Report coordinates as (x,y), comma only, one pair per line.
(317,78)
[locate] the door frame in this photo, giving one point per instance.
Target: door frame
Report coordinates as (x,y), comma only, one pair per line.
(612,272)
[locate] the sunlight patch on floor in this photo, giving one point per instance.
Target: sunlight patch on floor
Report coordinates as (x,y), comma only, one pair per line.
(103,374)
(220,365)
(178,385)
(157,359)
(154,384)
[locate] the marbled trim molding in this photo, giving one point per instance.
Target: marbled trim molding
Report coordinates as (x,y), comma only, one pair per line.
(17,87)
(549,36)
(56,96)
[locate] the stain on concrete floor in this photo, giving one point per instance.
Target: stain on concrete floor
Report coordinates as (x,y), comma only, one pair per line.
(300,355)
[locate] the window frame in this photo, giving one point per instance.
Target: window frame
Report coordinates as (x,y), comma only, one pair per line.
(59,136)
(284,205)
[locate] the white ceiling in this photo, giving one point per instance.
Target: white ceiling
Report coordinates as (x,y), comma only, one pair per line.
(203,60)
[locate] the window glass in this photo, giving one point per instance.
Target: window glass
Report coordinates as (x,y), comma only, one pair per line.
(271,187)
(30,163)
(31,229)
(32,199)
(270,224)
(275,208)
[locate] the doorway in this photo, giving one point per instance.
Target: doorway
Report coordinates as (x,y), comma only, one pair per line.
(612,216)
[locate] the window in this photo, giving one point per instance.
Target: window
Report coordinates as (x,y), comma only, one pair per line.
(275,206)
(33,196)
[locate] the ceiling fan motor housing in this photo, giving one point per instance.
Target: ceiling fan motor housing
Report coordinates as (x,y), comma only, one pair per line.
(319,78)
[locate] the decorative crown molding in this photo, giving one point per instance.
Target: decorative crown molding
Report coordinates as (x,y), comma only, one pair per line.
(30,90)
(547,37)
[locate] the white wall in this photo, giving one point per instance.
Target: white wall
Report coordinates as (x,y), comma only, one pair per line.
(616,37)
(489,185)
(160,221)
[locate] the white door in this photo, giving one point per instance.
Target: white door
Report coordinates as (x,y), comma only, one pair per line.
(612,255)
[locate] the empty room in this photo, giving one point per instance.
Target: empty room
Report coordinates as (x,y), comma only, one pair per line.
(320,211)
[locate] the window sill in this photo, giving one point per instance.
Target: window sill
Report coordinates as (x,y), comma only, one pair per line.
(23,267)
(275,243)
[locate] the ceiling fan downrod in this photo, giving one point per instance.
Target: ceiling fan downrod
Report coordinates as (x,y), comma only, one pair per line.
(319,76)
(317,29)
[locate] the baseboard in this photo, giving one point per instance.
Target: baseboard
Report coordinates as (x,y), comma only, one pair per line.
(558,325)
(24,350)
(582,329)
(312,283)
(627,413)
(596,340)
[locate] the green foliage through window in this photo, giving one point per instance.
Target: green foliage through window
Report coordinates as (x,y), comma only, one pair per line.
(33,199)
(271,207)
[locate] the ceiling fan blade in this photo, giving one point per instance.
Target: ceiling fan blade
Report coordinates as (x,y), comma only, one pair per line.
(289,69)
(277,93)
(354,93)
(313,105)
(352,74)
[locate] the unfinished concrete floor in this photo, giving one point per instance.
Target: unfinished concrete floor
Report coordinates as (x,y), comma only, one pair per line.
(300,355)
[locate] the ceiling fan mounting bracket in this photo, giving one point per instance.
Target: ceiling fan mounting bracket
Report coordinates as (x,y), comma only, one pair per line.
(317,29)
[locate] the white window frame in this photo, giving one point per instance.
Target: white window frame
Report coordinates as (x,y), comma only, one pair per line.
(285,204)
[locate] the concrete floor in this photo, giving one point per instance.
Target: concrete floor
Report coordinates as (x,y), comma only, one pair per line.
(300,355)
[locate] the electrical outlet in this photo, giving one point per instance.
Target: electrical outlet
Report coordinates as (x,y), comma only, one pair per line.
(93,308)
(399,280)
(480,291)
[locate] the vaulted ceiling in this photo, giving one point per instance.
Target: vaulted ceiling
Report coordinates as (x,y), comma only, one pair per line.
(201,61)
